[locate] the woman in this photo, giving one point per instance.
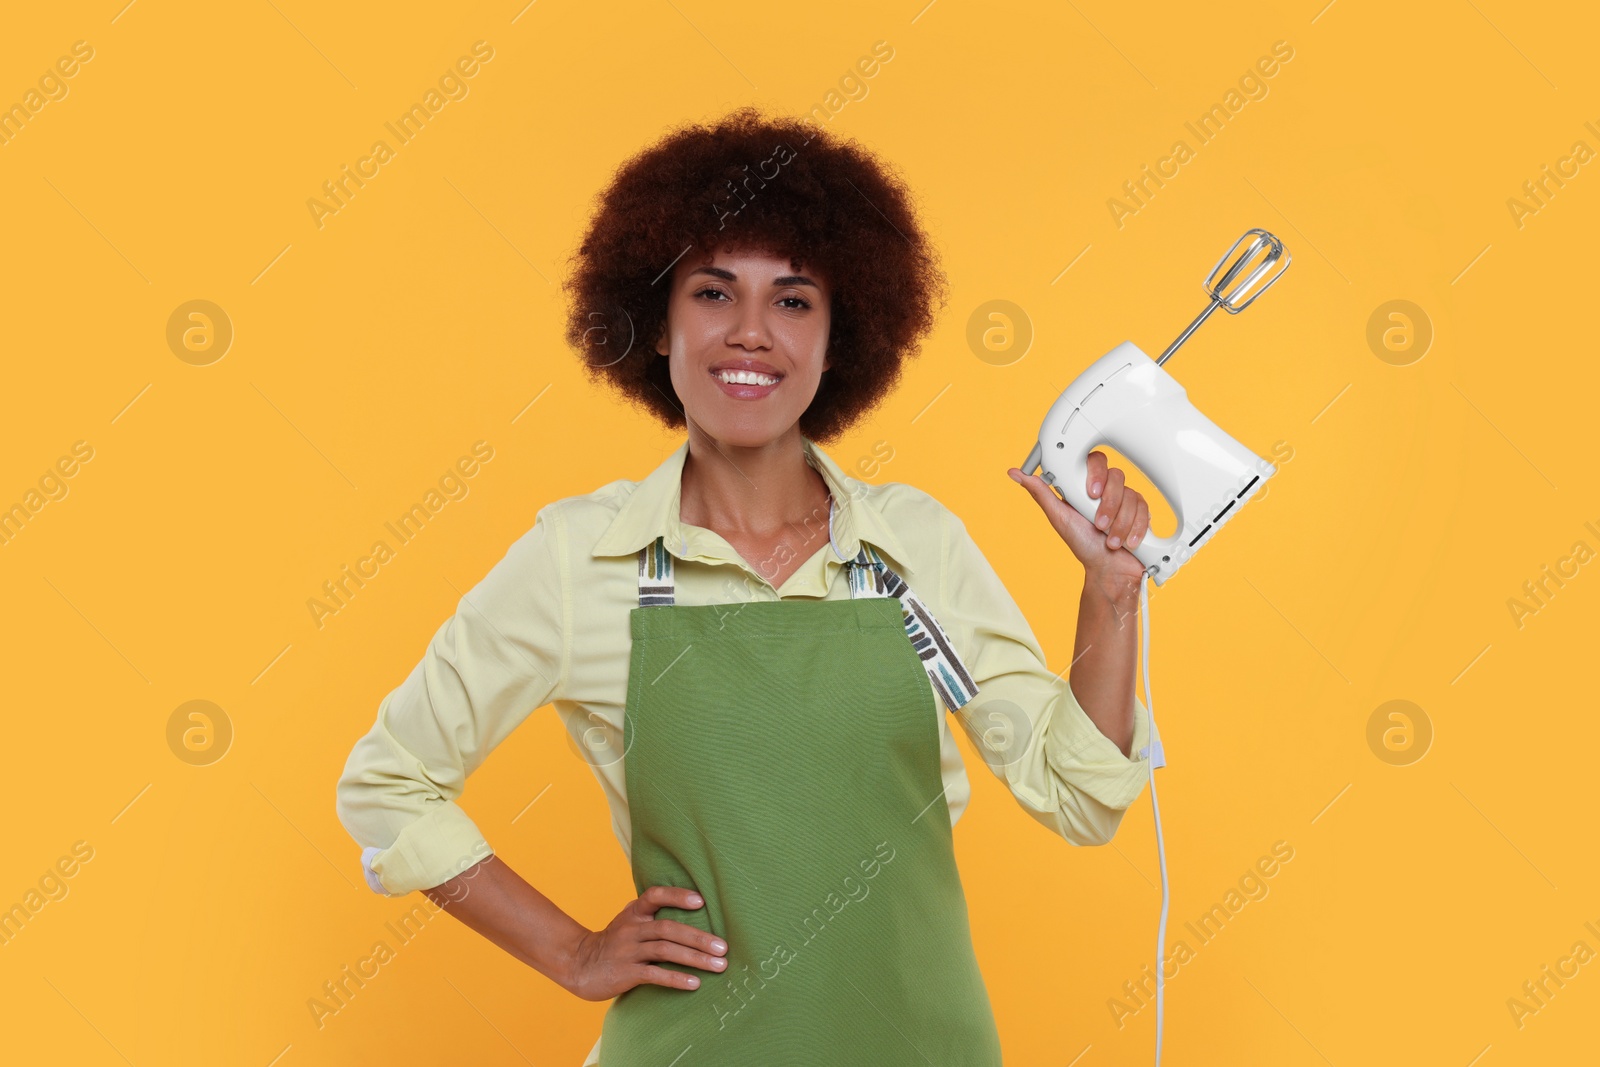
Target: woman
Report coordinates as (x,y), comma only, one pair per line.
(756,650)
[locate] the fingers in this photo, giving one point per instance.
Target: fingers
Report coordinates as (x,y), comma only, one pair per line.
(1127,515)
(1110,500)
(672,952)
(625,954)
(666,896)
(1121,520)
(1097,474)
(649,974)
(1039,489)
(683,934)
(1141,524)
(673,942)
(1123,515)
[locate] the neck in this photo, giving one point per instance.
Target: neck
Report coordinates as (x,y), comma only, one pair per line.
(750,491)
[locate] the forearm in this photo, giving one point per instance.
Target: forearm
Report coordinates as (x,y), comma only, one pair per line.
(495,901)
(1105,655)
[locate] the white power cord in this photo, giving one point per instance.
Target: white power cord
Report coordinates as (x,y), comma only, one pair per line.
(1157,759)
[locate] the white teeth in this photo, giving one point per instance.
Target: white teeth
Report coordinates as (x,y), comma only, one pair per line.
(746,377)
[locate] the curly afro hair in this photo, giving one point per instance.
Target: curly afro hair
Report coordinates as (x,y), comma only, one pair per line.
(784,186)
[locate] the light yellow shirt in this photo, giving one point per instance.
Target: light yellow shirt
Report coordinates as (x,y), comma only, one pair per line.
(549,625)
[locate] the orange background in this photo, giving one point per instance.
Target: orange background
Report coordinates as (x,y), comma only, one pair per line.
(369,353)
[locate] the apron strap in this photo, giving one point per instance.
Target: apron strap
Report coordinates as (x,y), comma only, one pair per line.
(869,576)
(656,582)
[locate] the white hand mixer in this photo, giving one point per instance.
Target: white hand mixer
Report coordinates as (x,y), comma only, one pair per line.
(1125,400)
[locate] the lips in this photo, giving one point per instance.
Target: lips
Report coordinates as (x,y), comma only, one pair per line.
(741,391)
(751,378)
(746,364)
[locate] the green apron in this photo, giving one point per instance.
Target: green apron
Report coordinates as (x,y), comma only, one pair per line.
(782,759)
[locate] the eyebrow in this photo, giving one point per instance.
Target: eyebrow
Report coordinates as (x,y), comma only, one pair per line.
(728,275)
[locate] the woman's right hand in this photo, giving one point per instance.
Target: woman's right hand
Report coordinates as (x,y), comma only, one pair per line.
(612,961)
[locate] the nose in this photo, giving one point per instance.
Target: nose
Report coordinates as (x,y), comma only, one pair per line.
(750,327)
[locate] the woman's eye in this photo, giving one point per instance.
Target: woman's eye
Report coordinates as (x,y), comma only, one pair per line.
(794,303)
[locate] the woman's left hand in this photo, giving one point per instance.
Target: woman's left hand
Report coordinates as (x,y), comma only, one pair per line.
(1121,522)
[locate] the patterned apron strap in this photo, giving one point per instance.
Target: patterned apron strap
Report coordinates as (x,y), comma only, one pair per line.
(656,582)
(869,576)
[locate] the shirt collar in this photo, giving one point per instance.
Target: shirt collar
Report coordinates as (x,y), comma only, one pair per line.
(653,510)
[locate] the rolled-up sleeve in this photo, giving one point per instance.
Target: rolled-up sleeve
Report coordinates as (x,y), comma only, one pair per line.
(1025,720)
(503,654)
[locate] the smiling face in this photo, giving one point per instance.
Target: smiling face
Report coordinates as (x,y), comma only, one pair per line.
(747,339)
